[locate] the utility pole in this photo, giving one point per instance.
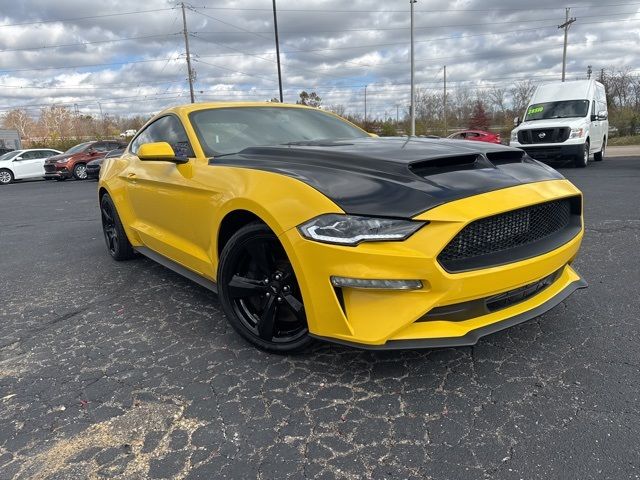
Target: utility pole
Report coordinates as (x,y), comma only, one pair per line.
(365,106)
(275,29)
(567,23)
(413,70)
(397,115)
(186,45)
(445,101)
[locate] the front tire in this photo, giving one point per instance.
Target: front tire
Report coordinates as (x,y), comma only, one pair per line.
(80,171)
(118,244)
(583,160)
(259,292)
(6,176)
(599,156)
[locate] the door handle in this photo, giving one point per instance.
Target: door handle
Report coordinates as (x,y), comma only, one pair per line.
(131,175)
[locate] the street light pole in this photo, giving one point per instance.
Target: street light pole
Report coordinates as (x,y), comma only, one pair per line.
(275,29)
(365,106)
(413,96)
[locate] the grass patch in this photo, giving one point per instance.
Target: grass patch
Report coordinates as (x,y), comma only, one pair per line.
(620,141)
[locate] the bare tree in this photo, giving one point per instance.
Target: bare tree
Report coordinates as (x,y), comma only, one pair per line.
(521,93)
(57,122)
(498,100)
(19,120)
(338,109)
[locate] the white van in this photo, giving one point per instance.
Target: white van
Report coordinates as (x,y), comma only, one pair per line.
(565,120)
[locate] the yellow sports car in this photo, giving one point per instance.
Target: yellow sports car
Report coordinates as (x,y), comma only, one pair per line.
(309,227)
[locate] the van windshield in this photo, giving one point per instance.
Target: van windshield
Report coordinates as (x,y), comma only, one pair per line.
(564,109)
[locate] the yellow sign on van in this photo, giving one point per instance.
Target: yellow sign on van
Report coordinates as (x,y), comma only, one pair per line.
(534,110)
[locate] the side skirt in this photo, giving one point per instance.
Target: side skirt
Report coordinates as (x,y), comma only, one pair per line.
(179,269)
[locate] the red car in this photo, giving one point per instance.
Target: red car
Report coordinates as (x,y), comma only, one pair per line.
(73,162)
(477,136)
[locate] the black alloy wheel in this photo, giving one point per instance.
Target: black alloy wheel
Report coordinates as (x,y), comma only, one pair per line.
(114,234)
(259,291)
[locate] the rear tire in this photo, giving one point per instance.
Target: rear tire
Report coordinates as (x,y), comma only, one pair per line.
(6,176)
(118,244)
(583,160)
(259,292)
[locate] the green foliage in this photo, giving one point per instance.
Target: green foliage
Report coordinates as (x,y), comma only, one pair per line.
(310,99)
(622,141)
(388,129)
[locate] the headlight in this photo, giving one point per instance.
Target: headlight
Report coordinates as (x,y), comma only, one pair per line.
(63,160)
(576,133)
(351,230)
(514,136)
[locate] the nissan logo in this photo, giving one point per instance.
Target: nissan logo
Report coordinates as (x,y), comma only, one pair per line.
(542,135)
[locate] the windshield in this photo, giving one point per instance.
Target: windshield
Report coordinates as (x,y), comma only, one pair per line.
(564,109)
(9,155)
(230,130)
(78,148)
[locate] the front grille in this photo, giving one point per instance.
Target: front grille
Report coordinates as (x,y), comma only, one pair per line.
(513,236)
(49,168)
(543,135)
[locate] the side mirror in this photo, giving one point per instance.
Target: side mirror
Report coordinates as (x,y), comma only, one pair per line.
(17,159)
(516,121)
(603,115)
(159,151)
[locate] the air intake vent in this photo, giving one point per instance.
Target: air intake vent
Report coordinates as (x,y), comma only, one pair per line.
(503,158)
(448,164)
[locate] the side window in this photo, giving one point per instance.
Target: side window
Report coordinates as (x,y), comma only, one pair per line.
(100,147)
(29,155)
(166,129)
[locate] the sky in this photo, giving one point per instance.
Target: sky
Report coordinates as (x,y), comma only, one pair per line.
(128,58)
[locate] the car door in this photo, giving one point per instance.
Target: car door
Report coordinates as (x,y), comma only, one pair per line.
(164,197)
(595,134)
(28,165)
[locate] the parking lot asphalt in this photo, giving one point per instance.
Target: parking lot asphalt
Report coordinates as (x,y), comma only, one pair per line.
(127,370)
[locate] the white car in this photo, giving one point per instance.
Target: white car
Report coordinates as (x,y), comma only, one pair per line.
(565,120)
(22,164)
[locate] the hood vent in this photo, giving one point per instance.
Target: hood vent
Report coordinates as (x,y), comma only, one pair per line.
(503,158)
(426,168)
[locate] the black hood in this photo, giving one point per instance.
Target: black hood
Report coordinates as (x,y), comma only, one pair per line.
(396,177)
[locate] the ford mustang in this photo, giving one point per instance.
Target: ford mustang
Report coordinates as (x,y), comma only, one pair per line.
(308,227)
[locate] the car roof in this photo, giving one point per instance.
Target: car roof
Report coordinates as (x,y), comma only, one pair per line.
(192,107)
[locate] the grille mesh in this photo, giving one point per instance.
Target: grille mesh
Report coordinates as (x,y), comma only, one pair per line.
(506,231)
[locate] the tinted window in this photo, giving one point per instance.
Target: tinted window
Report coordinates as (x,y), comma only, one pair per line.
(230,130)
(166,129)
(79,148)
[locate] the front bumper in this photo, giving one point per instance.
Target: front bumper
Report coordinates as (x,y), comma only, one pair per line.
(93,172)
(553,151)
(392,319)
(56,171)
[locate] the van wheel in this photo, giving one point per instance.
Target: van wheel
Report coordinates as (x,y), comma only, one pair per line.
(583,160)
(599,156)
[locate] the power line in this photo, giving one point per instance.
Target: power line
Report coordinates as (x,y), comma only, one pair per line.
(428,10)
(79,44)
(39,22)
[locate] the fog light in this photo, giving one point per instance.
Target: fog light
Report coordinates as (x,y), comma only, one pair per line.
(376,284)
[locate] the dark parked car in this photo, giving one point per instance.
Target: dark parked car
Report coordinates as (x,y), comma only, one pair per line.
(93,167)
(73,162)
(4,150)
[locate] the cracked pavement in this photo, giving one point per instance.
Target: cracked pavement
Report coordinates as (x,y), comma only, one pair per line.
(127,370)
